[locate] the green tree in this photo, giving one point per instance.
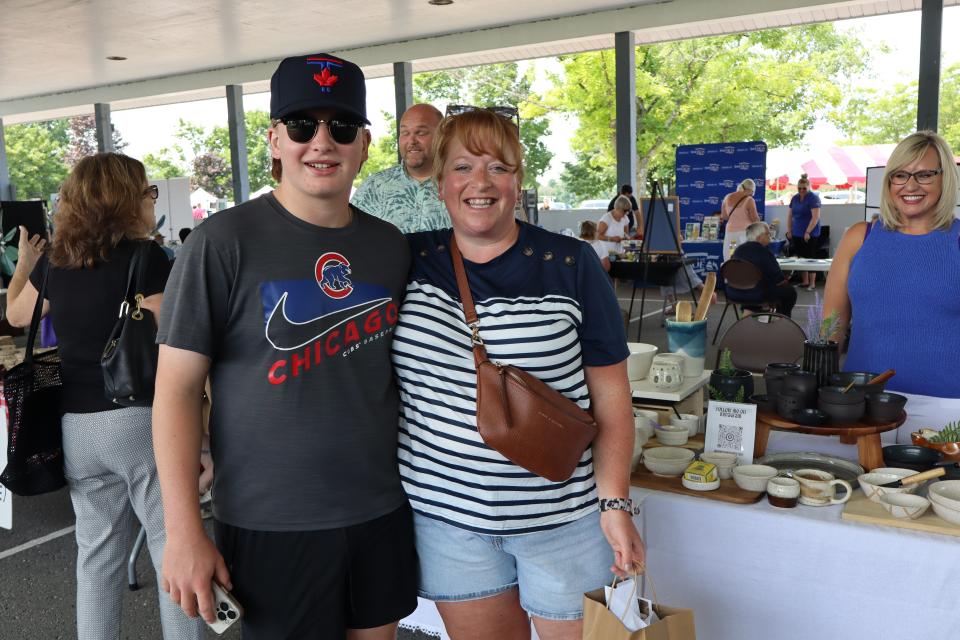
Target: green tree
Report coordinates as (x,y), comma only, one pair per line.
(382,153)
(163,165)
(258,150)
(872,116)
(495,84)
(81,136)
(769,85)
(35,157)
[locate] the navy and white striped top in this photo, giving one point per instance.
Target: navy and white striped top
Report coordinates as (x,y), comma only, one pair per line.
(546,306)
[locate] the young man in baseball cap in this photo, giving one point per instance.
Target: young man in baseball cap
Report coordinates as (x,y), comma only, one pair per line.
(288,303)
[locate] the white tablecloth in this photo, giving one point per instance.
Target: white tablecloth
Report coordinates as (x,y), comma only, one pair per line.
(753,572)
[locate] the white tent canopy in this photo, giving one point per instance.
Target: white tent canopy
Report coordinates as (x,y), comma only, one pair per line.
(203,198)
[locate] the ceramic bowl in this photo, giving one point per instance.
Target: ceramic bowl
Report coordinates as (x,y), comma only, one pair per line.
(765,402)
(869,484)
(835,395)
(842,413)
(646,420)
(885,407)
(688,420)
(910,456)
(859,380)
(672,435)
(640,359)
(947,493)
(789,402)
(904,505)
(773,376)
(725,462)
(810,417)
(667,461)
(804,382)
(753,477)
(950,515)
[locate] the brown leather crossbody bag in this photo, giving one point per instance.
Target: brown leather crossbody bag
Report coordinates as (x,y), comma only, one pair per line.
(524,419)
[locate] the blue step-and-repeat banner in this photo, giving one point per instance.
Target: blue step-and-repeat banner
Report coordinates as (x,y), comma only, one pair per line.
(708,172)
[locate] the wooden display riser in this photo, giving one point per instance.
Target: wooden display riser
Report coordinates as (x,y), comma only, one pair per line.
(728,491)
(860,509)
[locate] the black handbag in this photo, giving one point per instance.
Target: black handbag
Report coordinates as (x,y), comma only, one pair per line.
(129,360)
(32,390)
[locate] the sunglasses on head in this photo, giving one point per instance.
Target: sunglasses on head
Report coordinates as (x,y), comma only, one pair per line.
(505,111)
(302,129)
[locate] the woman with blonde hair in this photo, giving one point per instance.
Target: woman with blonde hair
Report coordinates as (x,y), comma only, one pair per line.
(740,211)
(106,209)
(897,280)
(803,225)
(498,543)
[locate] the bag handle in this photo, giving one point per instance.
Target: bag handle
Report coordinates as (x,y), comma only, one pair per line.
(136,280)
(35,319)
(633,592)
(469,311)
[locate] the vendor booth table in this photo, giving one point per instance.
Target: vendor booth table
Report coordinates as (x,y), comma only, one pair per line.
(755,571)
(708,254)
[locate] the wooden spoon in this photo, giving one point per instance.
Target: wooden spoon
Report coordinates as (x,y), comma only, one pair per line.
(883,377)
(704,305)
(684,311)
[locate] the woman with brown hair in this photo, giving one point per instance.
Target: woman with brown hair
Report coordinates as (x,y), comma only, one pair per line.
(106,209)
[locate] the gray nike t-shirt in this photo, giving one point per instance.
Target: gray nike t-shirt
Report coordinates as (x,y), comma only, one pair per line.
(298,322)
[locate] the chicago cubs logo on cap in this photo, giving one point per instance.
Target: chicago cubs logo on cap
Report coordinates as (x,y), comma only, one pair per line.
(333,275)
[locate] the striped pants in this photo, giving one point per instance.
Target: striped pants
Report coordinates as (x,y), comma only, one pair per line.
(112,475)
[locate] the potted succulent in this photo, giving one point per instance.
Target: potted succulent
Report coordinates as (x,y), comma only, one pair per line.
(729,384)
(821,355)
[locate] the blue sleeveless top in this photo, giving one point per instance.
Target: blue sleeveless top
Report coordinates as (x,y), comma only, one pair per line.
(905,298)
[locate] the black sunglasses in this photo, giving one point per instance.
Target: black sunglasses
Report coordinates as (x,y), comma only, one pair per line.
(302,129)
(153,191)
(504,111)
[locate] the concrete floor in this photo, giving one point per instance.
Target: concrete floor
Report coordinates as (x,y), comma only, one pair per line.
(37,583)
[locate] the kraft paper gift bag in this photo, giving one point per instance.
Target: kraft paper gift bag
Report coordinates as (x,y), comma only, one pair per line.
(600,623)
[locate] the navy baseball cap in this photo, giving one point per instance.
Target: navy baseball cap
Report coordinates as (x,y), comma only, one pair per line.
(318,81)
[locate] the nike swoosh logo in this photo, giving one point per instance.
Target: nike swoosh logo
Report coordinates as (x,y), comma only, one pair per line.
(286,335)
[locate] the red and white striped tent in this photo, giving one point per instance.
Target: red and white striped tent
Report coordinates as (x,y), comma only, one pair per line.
(841,167)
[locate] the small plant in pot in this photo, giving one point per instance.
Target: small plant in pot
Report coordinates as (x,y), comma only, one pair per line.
(729,384)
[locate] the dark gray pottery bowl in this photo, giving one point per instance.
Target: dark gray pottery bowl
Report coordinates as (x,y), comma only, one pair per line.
(910,456)
(885,407)
(835,395)
(810,417)
(859,379)
(773,376)
(789,402)
(764,402)
(842,413)
(803,381)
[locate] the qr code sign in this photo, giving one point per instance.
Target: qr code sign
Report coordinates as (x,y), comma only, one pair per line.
(730,438)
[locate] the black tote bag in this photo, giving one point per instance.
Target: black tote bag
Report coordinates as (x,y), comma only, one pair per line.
(32,392)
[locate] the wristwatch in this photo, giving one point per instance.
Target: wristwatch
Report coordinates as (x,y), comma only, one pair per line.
(616,504)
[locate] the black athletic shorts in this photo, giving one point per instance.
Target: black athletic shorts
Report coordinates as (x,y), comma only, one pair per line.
(314,585)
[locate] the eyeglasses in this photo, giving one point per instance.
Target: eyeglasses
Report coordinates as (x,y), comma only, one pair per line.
(922,177)
(504,111)
(153,191)
(302,129)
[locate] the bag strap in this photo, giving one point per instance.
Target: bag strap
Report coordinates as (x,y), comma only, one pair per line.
(136,277)
(37,312)
(739,202)
(469,311)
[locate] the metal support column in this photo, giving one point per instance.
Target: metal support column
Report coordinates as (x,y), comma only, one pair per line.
(626,103)
(101,115)
(6,190)
(928,93)
(402,90)
(237,126)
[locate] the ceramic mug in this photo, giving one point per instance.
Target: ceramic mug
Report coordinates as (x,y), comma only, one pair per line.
(645,420)
(818,488)
(783,492)
(688,339)
(666,372)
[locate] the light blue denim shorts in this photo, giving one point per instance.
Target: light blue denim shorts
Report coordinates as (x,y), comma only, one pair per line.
(552,568)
